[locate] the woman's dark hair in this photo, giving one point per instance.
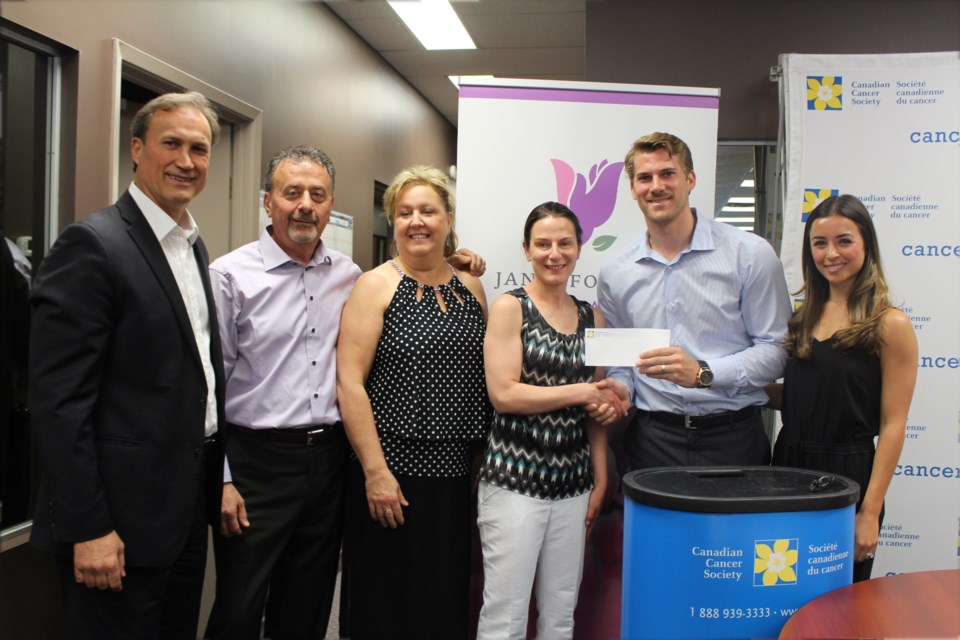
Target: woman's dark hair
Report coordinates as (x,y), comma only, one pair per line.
(868,300)
(553,210)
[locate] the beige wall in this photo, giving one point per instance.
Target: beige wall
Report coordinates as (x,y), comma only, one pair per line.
(315,80)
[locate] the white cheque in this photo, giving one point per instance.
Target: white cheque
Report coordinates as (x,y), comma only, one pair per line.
(622,347)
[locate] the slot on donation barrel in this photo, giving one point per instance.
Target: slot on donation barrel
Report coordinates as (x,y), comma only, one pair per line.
(731,552)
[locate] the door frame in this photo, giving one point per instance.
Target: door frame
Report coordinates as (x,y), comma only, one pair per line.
(247,120)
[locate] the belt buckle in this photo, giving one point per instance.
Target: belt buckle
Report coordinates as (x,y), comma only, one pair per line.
(314,434)
(686,422)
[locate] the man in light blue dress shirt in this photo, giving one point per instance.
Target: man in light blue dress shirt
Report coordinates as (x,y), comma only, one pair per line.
(722,294)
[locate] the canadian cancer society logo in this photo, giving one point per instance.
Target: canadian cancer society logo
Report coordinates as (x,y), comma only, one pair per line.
(592,197)
(824,93)
(774,562)
(813,197)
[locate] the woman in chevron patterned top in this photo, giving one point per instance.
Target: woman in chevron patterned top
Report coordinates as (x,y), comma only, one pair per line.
(544,470)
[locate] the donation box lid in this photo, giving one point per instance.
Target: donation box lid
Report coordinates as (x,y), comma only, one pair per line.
(751,489)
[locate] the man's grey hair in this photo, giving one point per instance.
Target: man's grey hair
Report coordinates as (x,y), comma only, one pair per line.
(300,153)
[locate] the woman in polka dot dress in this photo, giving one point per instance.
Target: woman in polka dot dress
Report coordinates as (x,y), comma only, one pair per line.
(411,389)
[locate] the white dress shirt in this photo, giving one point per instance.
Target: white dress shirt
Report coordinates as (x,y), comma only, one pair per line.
(177,243)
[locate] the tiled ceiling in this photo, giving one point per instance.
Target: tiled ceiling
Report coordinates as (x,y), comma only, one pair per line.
(541,39)
(530,39)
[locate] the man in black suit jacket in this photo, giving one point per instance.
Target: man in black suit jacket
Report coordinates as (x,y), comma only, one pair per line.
(126,391)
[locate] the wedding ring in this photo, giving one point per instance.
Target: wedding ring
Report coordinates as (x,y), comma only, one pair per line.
(663,368)
(388,510)
(869,556)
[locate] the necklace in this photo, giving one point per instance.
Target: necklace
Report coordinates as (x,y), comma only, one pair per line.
(395,263)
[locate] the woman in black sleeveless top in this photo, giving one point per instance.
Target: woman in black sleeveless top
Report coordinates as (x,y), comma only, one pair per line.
(852,367)
(414,404)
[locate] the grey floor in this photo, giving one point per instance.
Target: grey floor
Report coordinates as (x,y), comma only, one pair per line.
(333,628)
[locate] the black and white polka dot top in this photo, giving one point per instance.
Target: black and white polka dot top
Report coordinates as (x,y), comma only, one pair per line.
(426,385)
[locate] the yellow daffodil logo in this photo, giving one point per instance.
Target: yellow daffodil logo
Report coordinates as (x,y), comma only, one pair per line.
(824,93)
(774,562)
(813,197)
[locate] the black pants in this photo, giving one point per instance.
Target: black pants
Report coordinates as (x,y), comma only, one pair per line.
(294,501)
(652,443)
(160,603)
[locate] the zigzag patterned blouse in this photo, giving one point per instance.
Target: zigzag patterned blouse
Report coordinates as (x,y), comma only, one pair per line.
(545,455)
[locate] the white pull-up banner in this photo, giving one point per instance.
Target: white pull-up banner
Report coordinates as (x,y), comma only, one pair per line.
(886,128)
(524,142)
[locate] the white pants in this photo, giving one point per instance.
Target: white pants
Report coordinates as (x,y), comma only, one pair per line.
(523,539)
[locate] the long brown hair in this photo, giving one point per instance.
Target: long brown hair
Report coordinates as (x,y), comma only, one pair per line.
(868,300)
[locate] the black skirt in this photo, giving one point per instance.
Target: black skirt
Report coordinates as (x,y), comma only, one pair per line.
(412,581)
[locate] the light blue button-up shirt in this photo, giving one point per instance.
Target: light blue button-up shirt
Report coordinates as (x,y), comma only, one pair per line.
(724,299)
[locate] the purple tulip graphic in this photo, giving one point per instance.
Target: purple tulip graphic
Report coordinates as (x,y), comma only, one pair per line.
(593,198)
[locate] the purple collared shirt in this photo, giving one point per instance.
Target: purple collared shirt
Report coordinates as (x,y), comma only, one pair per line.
(279,322)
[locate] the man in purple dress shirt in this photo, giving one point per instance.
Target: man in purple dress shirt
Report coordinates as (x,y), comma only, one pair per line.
(278,301)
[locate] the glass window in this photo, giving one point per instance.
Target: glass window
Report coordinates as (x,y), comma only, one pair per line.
(29,96)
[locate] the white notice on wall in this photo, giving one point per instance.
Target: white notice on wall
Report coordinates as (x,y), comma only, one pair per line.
(339,233)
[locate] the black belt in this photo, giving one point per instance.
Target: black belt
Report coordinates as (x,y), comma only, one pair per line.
(701,422)
(306,437)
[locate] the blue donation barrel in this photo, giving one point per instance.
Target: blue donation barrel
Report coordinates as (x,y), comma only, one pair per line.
(731,552)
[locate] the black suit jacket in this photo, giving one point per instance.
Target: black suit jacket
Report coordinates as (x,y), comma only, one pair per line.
(117,391)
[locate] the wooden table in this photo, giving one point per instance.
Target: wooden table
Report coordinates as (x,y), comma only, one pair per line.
(925,604)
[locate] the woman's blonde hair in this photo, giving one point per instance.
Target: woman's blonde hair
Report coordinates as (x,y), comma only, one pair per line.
(428,176)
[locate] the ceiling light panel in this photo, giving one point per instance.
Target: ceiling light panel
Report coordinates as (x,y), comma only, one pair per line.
(434,23)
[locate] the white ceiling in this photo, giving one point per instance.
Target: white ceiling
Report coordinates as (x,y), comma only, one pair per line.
(541,39)
(538,39)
